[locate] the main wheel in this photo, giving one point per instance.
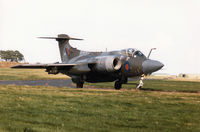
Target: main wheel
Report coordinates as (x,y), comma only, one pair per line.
(118,85)
(79,85)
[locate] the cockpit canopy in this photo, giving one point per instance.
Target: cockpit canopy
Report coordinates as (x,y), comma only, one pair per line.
(132,52)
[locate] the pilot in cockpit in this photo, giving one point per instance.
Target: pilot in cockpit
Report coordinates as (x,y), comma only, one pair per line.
(132,52)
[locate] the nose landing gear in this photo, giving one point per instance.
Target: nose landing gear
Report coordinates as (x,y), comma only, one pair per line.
(140,83)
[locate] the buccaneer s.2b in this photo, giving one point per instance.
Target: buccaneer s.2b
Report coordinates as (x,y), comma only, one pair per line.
(94,67)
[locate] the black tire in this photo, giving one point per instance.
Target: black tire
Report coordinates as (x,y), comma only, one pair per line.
(79,85)
(118,85)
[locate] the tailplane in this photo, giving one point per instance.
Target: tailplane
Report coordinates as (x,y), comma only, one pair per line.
(66,50)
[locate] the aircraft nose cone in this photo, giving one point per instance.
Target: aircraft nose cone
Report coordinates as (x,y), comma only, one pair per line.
(149,66)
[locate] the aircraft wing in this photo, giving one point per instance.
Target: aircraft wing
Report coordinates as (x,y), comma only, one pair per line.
(56,67)
(43,66)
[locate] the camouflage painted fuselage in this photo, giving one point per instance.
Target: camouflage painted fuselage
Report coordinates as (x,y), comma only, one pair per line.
(131,66)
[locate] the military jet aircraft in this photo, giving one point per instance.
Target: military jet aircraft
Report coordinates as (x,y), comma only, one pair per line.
(95,67)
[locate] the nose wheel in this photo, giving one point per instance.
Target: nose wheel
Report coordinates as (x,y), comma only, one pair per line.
(140,83)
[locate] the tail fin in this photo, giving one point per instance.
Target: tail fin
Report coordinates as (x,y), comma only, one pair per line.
(66,50)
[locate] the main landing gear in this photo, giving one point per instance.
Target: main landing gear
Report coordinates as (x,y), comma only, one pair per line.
(78,80)
(119,82)
(118,85)
(79,84)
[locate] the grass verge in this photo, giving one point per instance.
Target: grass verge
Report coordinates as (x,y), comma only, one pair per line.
(36,108)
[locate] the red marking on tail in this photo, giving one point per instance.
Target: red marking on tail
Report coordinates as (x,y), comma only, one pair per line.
(67,51)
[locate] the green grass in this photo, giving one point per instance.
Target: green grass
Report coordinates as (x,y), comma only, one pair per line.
(28,74)
(161,105)
(36,108)
(156,85)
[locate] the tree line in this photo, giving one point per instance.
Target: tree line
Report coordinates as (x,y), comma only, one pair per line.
(11,55)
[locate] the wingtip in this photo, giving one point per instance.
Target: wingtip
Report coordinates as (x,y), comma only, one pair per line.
(60,37)
(75,39)
(46,37)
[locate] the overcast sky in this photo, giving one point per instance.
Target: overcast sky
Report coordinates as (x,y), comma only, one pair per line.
(172,26)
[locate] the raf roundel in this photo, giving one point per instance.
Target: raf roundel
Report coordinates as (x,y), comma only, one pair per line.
(127,67)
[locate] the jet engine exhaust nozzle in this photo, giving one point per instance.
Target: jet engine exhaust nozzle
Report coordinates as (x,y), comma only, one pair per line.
(117,64)
(107,64)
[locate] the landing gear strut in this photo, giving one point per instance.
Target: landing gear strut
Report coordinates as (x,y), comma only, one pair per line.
(141,83)
(78,80)
(119,82)
(79,84)
(125,81)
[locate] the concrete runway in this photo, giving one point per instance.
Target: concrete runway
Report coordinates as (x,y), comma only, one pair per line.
(57,83)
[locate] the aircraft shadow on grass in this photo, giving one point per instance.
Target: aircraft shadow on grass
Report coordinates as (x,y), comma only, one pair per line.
(150,89)
(144,89)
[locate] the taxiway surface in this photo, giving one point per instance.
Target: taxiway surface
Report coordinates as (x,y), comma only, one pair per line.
(56,83)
